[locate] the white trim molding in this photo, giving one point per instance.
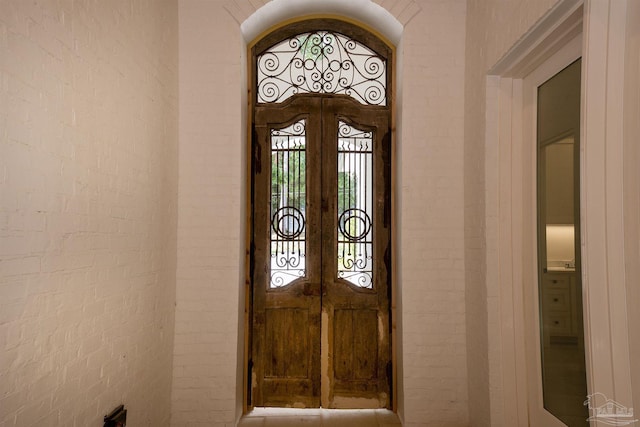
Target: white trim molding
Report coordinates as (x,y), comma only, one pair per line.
(602,195)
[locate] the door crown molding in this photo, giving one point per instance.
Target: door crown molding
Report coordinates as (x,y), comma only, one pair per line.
(560,25)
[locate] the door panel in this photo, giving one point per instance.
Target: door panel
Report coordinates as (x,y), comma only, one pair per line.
(320,270)
(357,310)
(286,313)
(286,329)
(355,353)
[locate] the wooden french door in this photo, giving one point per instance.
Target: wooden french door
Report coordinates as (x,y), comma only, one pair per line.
(321,254)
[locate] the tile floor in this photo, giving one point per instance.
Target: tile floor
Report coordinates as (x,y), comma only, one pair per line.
(285,417)
(565,383)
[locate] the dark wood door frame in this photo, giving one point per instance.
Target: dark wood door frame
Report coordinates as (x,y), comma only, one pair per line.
(322,301)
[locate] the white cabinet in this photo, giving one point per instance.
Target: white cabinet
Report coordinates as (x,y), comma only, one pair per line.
(559,308)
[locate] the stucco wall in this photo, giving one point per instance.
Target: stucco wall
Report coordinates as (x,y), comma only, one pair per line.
(88,210)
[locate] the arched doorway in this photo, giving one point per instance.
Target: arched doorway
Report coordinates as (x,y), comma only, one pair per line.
(320,266)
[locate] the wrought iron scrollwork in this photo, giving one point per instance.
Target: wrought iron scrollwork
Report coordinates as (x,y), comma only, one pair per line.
(288,222)
(321,62)
(349,135)
(295,129)
(354,224)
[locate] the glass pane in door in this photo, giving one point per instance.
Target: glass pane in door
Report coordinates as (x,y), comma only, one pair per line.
(355,205)
(288,204)
(559,275)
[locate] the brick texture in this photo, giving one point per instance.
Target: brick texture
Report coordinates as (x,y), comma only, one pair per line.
(210,267)
(88,210)
(122,259)
(493,26)
(431,247)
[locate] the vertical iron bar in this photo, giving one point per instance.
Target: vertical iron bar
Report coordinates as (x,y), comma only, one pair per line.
(366,194)
(280,159)
(299,184)
(361,173)
(340,147)
(351,168)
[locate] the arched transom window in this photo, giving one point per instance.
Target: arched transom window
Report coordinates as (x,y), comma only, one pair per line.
(321,61)
(334,58)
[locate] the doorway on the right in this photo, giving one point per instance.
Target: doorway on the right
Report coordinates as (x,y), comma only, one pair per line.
(562,344)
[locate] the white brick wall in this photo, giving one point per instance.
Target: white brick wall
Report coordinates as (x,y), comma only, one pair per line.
(493,26)
(210,217)
(90,233)
(431,216)
(88,210)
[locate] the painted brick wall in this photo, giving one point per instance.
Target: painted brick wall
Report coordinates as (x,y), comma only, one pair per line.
(493,26)
(88,126)
(88,210)
(210,217)
(431,216)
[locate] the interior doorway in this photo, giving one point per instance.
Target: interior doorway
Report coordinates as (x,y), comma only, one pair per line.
(561,330)
(554,324)
(321,219)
